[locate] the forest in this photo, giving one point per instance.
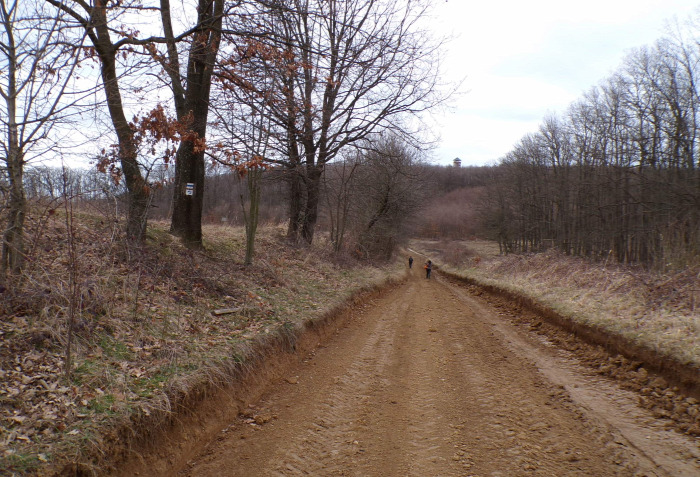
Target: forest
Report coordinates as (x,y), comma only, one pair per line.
(151,93)
(307,114)
(616,175)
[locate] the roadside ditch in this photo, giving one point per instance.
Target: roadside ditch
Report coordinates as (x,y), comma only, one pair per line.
(176,431)
(670,389)
(190,416)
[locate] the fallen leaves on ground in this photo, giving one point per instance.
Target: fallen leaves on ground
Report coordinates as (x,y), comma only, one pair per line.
(144,322)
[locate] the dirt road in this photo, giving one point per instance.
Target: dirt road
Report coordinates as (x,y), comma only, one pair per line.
(430,381)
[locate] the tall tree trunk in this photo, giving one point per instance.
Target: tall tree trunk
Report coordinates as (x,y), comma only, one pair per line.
(98,31)
(251,215)
(13,238)
(313,191)
(189,166)
(294,172)
(138,190)
(188,197)
(296,200)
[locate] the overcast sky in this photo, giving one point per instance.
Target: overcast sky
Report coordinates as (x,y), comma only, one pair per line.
(523,59)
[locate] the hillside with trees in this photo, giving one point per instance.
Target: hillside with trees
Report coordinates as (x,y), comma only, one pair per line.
(616,176)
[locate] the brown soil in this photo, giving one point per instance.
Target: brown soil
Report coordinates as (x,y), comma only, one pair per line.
(429,380)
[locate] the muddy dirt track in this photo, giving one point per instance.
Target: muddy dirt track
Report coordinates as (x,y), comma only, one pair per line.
(428,380)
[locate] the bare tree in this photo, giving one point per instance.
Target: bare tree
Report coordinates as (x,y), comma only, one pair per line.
(338,188)
(389,190)
(99,21)
(248,161)
(242,133)
(35,86)
(344,71)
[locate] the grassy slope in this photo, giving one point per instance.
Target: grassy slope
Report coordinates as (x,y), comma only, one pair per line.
(144,329)
(649,309)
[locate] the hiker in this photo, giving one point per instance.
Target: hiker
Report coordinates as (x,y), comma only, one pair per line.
(428,268)
(410,262)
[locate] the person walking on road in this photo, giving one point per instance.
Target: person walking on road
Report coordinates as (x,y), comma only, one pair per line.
(410,262)
(428,268)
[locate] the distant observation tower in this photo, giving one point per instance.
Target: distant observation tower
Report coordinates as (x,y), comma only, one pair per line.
(457,162)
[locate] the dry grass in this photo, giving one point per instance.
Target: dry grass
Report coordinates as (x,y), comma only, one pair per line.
(145,333)
(657,311)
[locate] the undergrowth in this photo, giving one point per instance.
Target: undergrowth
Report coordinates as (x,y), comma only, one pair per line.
(152,321)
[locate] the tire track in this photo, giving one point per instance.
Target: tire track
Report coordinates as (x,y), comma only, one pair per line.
(427,381)
(420,445)
(331,440)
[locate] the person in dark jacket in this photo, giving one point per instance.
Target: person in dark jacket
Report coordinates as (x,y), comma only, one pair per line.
(428,268)
(410,262)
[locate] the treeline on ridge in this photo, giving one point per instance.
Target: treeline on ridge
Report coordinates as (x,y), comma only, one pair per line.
(617,175)
(614,177)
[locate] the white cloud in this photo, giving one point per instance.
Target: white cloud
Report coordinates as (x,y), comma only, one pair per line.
(522,60)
